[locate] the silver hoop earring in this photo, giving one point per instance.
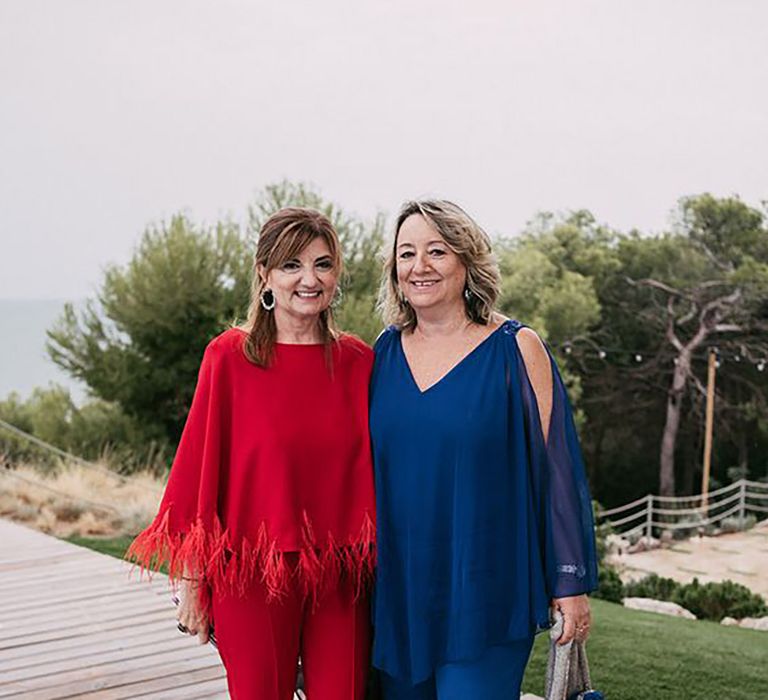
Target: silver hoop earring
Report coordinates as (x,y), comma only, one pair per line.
(338,297)
(467,293)
(267,298)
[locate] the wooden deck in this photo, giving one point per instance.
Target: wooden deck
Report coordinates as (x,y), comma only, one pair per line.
(73,624)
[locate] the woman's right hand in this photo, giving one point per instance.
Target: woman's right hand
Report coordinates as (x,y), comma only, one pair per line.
(191,614)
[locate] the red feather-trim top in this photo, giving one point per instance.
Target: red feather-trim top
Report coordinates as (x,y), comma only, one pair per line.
(271,461)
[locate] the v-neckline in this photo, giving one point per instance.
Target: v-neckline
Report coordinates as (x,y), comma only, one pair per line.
(452,369)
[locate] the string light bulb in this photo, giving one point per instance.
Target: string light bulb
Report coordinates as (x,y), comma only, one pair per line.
(638,357)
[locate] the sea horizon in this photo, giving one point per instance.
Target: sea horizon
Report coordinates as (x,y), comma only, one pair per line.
(24,362)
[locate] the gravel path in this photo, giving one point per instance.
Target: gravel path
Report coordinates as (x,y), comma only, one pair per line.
(741,557)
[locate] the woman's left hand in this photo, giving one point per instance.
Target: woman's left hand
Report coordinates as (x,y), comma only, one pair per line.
(576,617)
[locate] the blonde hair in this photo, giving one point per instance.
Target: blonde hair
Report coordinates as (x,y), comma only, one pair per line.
(282,237)
(464,237)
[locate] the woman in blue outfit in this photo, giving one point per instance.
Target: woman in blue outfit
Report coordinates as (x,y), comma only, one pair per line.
(483,523)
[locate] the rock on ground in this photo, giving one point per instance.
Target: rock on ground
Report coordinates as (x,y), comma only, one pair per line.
(664,607)
(750,623)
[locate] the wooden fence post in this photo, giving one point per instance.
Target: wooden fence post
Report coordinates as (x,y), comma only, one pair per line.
(649,519)
(742,503)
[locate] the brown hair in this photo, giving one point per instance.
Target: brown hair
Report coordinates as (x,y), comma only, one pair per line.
(282,237)
(465,238)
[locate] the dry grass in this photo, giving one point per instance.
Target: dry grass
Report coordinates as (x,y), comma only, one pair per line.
(76,500)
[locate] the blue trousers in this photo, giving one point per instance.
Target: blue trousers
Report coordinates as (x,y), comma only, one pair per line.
(498,673)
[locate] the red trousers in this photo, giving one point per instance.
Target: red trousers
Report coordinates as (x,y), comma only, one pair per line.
(260,643)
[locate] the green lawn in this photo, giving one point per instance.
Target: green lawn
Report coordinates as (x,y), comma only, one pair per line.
(636,655)
(114,546)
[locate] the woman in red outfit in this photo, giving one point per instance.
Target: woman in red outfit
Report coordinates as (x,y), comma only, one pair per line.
(268,515)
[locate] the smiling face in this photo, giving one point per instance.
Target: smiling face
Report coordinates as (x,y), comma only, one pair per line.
(429,274)
(304,285)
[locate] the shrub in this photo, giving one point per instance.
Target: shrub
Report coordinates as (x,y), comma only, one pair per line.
(76,499)
(68,511)
(695,523)
(652,586)
(13,448)
(714,601)
(610,586)
(95,430)
(709,601)
(736,524)
(602,530)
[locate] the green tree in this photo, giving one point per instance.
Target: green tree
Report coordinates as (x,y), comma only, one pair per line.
(95,430)
(549,274)
(549,281)
(705,285)
(15,411)
(611,334)
(139,344)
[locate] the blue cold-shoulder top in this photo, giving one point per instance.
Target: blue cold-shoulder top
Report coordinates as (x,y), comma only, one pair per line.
(479,521)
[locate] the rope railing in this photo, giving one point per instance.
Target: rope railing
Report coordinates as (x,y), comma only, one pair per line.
(626,506)
(96,505)
(757,484)
(699,523)
(694,511)
(679,499)
(63,454)
(657,513)
(699,496)
(628,519)
(744,491)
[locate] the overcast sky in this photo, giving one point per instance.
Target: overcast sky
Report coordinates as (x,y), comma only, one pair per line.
(117,114)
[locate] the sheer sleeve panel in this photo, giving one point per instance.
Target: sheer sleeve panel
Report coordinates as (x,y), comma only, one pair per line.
(560,491)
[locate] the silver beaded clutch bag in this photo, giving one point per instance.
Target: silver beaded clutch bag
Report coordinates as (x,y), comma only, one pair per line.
(567,668)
